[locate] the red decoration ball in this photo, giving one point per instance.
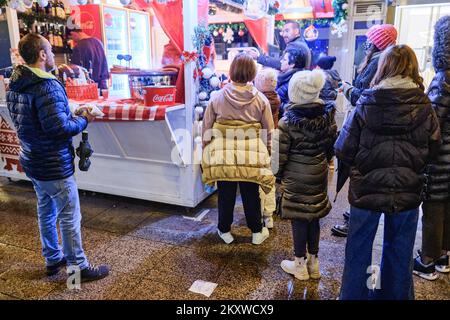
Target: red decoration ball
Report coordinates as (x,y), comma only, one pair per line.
(241,33)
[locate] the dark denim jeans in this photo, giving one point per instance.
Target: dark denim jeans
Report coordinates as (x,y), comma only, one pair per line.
(395,279)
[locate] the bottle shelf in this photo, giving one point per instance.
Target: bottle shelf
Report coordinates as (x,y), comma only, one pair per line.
(29,19)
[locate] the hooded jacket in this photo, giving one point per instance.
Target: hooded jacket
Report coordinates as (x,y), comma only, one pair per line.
(328,92)
(38,106)
(305,145)
(236,149)
(438,172)
(388,141)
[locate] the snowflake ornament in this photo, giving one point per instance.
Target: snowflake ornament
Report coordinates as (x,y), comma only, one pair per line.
(228,36)
(339,28)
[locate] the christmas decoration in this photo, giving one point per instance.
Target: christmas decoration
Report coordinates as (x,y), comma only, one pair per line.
(241,33)
(215,33)
(339,28)
(82,2)
(214,82)
(340,10)
(187,56)
(203,95)
(125,2)
(311,33)
(228,36)
(256,9)
(220,30)
(207,73)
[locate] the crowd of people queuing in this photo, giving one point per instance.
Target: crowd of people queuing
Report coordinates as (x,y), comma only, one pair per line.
(394,146)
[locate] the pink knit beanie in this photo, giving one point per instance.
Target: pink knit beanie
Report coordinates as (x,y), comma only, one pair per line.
(382,35)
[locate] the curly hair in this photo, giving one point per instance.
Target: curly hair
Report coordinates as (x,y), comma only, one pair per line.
(441,49)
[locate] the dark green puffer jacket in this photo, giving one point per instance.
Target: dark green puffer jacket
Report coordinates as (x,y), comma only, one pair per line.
(305,145)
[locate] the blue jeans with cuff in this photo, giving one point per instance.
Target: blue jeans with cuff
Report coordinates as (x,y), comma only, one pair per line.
(58,201)
(395,276)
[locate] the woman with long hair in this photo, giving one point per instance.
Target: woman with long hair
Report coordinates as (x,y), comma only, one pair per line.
(387,141)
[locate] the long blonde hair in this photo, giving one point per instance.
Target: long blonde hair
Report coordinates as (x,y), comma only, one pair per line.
(398,60)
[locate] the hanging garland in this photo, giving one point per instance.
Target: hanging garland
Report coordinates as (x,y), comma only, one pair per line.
(340,10)
(208,81)
(318,23)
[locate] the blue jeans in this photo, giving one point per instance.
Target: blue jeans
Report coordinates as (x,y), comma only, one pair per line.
(395,280)
(58,201)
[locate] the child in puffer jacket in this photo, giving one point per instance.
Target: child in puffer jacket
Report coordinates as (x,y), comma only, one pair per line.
(266,82)
(305,141)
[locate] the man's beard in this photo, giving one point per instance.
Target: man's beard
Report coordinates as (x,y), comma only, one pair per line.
(49,67)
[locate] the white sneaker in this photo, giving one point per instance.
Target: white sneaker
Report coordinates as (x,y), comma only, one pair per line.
(258,238)
(313,266)
(298,268)
(268,222)
(227,237)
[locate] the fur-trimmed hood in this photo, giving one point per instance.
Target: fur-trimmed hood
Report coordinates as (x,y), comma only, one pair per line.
(441,48)
(312,116)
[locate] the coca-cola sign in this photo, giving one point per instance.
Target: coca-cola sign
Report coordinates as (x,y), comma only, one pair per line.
(159,95)
(170,97)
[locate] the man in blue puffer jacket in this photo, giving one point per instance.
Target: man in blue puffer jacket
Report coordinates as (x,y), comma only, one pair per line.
(38,105)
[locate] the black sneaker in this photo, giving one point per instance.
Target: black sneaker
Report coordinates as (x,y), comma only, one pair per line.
(346,215)
(340,230)
(54,269)
(427,272)
(93,273)
(442,264)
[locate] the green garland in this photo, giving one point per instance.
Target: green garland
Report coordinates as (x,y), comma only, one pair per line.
(3,3)
(306,23)
(234,26)
(340,13)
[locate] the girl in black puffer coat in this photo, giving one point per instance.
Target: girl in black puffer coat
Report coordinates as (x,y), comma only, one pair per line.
(305,145)
(436,207)
(387,141)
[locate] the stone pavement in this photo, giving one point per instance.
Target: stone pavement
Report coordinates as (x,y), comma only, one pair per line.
(156,253)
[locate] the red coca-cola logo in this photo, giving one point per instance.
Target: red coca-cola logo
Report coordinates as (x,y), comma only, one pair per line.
(170,97)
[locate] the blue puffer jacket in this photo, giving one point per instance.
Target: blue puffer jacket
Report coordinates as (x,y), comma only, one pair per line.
(38,105)
(283,87)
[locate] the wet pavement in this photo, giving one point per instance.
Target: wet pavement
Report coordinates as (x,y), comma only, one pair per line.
(155,252)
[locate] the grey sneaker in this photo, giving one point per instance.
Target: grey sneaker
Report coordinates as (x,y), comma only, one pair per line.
(340,230)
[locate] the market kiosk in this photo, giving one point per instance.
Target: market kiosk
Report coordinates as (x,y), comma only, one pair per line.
(140,152)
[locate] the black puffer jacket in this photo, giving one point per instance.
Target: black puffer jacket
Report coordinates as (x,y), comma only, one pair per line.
(329,92)
(305,145)
(388,140)
(438,171)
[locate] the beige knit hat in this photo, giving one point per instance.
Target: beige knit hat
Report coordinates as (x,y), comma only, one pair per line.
(305,86)
(266,80)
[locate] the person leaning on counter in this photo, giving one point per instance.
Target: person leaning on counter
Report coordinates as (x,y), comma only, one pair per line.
(90,54)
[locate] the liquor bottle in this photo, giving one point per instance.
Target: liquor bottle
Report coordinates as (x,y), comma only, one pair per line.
(54,12)
(62,11)
(60,39)
(51,38)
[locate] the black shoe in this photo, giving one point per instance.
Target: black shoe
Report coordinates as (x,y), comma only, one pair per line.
(93,273)
(427,272)
(442,264)
(54,269)
(346,215)
(340,230)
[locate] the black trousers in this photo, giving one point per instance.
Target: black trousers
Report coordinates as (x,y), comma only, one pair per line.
(305,234)
(435,228)
(250,198)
